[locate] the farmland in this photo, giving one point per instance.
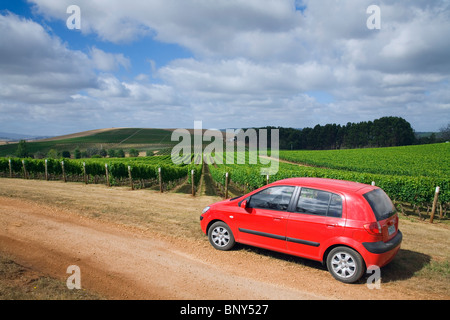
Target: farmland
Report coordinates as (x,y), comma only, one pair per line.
(120,138)
(431,160)
(408,174)
(174,213)
(116,171)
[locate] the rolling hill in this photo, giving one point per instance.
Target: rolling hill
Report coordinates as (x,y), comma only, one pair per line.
(143,139)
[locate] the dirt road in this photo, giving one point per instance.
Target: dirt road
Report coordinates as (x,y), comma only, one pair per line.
(122,261)
(119,262)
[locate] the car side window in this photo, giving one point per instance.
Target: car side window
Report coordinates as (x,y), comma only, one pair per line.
(323,203)
(274,198)
(335,207)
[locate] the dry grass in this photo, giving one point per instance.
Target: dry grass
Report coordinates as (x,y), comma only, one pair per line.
(21,283)
(423,260)
(142,208)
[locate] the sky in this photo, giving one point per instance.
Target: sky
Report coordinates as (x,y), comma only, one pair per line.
(227,63)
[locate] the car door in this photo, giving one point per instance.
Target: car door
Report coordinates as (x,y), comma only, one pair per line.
(315,219)
(263,222)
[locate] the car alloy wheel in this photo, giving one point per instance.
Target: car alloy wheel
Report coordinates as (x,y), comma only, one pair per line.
(220,236)
(345,264)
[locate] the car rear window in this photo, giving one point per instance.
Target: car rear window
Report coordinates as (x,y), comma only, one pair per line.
(380,203)
(312,201)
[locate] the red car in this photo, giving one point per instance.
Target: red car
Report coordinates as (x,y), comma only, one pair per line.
(348,226)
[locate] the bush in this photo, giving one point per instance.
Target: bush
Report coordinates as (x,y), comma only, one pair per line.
(77,154)
(22,151)
(112,153)
(39,155)
(120,153)
(66,154)
(134,153)
(92,152)
(53,154)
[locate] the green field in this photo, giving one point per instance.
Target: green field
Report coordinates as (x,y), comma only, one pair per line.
(410,174)
(126,138)
(431,160)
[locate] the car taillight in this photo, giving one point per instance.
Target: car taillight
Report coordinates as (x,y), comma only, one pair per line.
(373,228)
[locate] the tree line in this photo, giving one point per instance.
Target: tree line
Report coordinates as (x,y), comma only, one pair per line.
(92,152)
(382,132)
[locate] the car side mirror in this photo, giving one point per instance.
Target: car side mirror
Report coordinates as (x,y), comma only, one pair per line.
(244,204)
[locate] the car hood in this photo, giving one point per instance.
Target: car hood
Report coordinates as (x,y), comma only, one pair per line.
(226,201)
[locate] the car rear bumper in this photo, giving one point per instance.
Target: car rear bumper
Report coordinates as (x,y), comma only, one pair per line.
(381,247)
(381,253)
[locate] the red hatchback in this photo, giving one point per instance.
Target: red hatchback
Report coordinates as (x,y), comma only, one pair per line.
(346,225)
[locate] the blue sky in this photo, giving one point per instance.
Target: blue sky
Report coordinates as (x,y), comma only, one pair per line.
(229,64)
(139,51)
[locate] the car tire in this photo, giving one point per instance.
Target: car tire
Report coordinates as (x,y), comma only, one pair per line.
(345,264)
(220,236)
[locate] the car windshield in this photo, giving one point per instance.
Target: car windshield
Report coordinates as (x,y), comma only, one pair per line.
(380,203)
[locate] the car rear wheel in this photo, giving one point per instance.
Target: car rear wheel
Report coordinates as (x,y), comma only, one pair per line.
(220,236)
(345,264)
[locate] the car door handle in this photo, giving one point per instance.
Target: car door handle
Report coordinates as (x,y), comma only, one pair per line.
(277,219)
(331,225)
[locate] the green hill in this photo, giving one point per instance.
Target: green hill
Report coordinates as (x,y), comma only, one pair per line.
(122,138)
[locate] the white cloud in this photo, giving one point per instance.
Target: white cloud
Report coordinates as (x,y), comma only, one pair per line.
(242,76)
(208,28)
(44,85)
(107,61)
(254,62)
(36,67)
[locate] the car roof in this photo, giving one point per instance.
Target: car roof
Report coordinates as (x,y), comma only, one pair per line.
(330,184)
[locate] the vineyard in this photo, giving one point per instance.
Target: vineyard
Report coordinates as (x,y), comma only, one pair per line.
(146,171)
(432,160)
(416,189)
(408,174)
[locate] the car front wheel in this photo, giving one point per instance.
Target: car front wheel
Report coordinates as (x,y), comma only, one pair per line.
(220,236)
(345,264)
